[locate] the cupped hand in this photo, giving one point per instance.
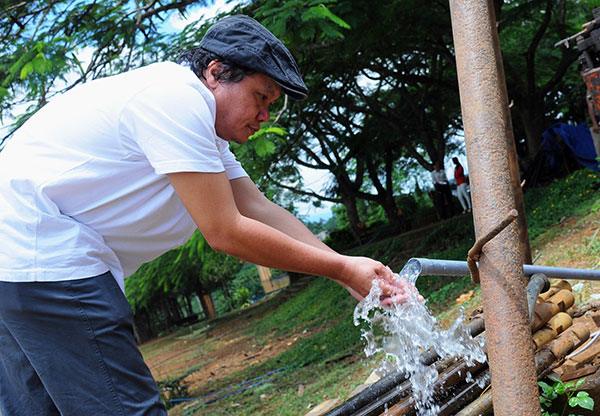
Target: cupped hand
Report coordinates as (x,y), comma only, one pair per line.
(403,290)
(358,275)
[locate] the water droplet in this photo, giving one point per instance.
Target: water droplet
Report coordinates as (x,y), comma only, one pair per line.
(402,332)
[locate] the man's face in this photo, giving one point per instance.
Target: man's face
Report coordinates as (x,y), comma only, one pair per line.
(241,106)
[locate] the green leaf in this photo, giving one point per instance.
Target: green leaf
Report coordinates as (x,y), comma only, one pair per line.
(276,130)
(559,387)
(178,258)
(585,402)
(26,70)
(548,390)
(307,32)
(39,63)
(582,394)
(325,12)
(263,146)
(278,27)
(330,31)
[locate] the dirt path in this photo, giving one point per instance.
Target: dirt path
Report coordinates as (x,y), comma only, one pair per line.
(213,353)
(576,244)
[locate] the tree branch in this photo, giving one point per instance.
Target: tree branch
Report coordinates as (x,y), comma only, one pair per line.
(531,50)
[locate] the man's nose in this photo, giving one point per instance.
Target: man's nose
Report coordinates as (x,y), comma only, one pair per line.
(264,115)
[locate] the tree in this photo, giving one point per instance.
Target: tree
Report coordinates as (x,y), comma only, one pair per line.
(385,87)
(539,76)
(193,269)
(44,39)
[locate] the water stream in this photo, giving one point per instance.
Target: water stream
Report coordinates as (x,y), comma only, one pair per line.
(403,331)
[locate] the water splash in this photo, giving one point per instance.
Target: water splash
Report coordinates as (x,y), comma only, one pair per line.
(404,331)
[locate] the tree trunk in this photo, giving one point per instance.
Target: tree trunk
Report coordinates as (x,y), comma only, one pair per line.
(349,201)
(175,308)
(208,306)
(391,212)
(165,313)
(533,117)
(188,305)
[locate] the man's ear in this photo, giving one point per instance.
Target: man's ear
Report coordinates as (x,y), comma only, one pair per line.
(210,74)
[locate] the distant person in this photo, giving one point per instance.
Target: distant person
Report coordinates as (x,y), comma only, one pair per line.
(116,172)
(461,186)
(443,192)
(594,114)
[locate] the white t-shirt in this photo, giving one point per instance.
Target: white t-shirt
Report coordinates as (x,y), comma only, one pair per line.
(83,185)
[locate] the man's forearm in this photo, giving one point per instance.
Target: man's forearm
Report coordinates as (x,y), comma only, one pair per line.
(288,249)
(255,205)
(284,221)
(592,115)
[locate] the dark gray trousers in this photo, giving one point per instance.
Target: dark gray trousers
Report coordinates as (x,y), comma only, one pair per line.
(67,348)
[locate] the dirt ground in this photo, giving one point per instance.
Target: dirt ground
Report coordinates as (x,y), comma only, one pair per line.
(575,245)
(230,350)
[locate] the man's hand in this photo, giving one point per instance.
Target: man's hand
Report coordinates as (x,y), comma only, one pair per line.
(239,221)
(358,275)
(595,127)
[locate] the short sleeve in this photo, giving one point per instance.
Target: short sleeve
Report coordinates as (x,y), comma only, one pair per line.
(233,168)
(173,125)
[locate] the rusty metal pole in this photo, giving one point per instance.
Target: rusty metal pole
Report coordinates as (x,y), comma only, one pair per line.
(525,248)
(487,131)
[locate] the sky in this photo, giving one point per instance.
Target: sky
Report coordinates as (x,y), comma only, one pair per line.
(176,22)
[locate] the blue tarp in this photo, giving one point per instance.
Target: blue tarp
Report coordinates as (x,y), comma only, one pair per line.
(577,138)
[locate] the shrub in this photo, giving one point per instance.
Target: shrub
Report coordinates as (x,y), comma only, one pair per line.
(566,196)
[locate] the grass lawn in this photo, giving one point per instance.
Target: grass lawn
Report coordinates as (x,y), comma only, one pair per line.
(287,353)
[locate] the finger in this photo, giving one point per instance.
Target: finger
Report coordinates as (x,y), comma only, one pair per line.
(384,272)
(387,302)
(387,289)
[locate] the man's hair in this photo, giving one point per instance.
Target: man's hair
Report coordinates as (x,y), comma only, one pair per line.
(198,60)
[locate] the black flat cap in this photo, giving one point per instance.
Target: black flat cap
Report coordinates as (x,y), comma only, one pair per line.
(245,42)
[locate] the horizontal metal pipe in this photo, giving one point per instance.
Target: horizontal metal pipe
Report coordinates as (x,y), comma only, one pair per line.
(427,267)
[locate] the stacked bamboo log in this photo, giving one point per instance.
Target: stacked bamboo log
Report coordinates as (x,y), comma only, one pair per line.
(555,334)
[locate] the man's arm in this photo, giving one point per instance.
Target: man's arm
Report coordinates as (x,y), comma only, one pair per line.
(592,114)
(253,204)
(433,177)
(209,199)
